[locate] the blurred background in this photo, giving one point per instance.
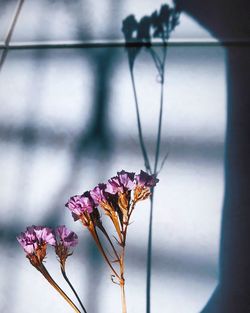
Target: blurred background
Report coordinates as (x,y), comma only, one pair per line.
(68,122)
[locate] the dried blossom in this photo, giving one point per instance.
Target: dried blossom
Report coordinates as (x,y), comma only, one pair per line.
(81,207)
(98,194)
(65,240)
(124,181)
(34,242)
(144,182)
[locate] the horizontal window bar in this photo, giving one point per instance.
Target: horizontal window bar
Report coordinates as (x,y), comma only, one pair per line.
(118,43)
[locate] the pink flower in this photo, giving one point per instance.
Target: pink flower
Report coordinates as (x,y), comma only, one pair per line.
(66,237)
(34,237)
(124,181)
(98,194)
(145,180)
(80,204)
(34,242)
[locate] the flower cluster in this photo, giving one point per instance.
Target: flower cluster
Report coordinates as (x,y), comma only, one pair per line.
(35,240)
(117,198)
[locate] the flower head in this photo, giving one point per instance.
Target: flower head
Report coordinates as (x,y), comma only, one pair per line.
(98,194)
(34,242)
(124,181)
(65,239)
(145,180)
(65,236)
(79,205)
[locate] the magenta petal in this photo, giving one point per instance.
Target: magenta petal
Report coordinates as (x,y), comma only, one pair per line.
(98,194)
(146,180)
(35,236)
(66,237)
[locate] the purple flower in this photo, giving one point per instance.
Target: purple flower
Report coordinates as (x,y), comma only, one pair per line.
(121,183)
(98,194)
(35,237)
(80,204)
(66,237)
(34,242)
(145,180)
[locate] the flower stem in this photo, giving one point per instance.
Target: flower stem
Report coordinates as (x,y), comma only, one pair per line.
(123,298)
(149,255)
(73,289)
(46,274)
(110,242)
(99,245)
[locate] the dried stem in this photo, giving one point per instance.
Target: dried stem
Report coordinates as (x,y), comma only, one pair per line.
(72,288)
(111,243)
(123,298)
(99,245)
(46,274)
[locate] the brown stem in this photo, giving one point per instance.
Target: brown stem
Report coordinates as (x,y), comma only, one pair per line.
(98,243)
(46,274)
(110,242)
(123,298)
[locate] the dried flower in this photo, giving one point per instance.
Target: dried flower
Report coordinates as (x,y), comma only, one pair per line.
(98,194)
(124,181)
(144,182)
(80,205)
(34,242)
(65,239)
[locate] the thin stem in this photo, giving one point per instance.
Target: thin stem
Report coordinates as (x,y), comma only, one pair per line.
(123,298)
(10,32)
(143,148)
(97,240)
(46,274)
(111,243)
(149,255)
(72,288)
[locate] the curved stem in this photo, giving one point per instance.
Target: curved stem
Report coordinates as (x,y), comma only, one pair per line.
(72,288)
(110,242)
(46,274)
(97,240)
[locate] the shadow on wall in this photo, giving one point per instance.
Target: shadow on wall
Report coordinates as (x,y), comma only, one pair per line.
(229,21)
(97,141)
